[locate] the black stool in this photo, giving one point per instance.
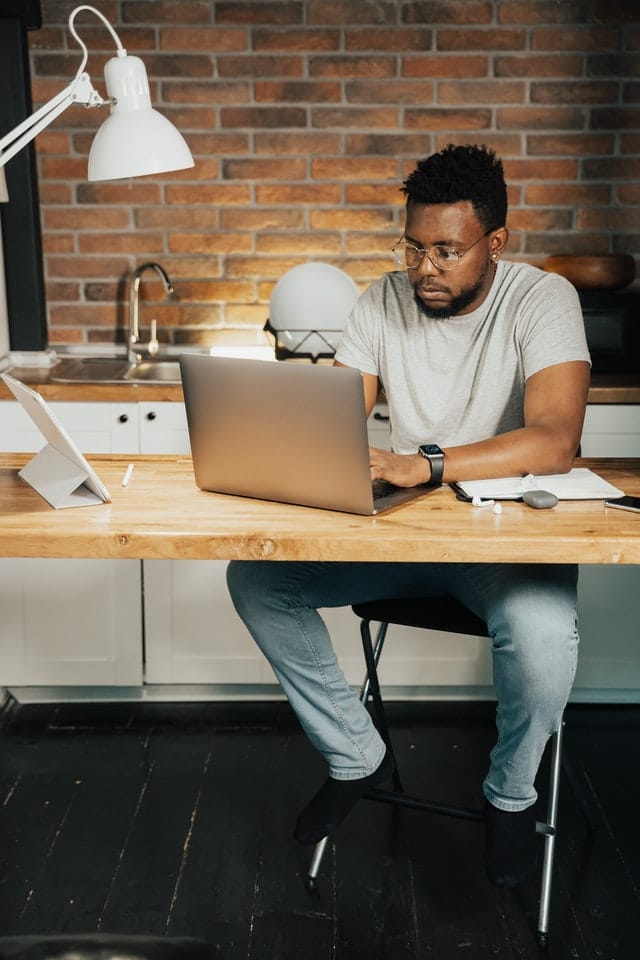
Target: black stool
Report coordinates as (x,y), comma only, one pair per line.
(446,614)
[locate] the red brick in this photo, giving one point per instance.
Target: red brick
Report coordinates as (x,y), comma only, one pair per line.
(260,66)
(355,11)
(259,268)
(567,194)
(445,66)
(448,11)
(577,92)
(370,194)
(610,168)
(481,91)
(533,65)
(210,39)
(359,219)
(354,168)
(581,144)
(118,192)
(177,218)
(87,266)
(265,169)
(612,219)
(390,91)
(375,244)
(536,118)
(58,242)
(84,218)
(350,66)
(396,144)
(166,11)
(131,242)
(217,290)
(215,92)
(432,119)
(542,11)
(282,12)
(387,39)
(545,170)
(582,38)
(628,193)
(262,218)
(310,193)
(218,144)
(297,91)
(63,168)
(540,219)
(227,193)
(96,292)
(80,316)
(263,117)
(283,142)
(60,291)
(54,192)
(302,39)
(351,117)
(313,244)
(196,268)
(492,40)
(210,243)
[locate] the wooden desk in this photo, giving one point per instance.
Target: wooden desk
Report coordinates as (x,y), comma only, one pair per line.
(162,515)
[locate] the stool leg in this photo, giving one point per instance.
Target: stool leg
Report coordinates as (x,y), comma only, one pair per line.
(372,656)
(549,830)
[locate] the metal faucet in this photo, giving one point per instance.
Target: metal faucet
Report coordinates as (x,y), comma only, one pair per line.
(152,346)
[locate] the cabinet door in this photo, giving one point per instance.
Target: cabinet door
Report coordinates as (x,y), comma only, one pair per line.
(71,622)
(611,430)
(193,634)
(163,428)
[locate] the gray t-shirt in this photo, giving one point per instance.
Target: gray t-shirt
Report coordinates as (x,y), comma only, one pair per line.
(461,379)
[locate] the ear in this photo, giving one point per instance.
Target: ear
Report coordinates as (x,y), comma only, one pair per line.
(497,242)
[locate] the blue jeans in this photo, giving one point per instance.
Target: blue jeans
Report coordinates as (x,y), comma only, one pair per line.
(530,610)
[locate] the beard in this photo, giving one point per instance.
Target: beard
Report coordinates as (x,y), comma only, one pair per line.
(457,304)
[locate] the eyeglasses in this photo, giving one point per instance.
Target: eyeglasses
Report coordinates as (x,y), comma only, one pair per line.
(441,256)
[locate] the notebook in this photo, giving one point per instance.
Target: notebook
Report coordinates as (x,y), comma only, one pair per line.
(59,472)
(291,432)
(580,483)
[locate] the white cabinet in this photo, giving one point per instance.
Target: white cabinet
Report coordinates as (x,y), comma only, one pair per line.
(71,622)
(162,428)
(611,430)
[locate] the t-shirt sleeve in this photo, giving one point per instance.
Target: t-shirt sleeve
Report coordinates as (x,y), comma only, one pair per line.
(358,345)
(551,326)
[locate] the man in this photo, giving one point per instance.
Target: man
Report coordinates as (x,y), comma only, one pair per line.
(486,370)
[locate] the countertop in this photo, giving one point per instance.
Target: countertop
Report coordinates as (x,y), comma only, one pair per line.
(605,388)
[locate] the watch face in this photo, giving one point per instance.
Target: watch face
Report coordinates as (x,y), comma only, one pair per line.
(430,449)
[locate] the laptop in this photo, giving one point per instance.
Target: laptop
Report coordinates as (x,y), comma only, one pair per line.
(295,433)
(58,472)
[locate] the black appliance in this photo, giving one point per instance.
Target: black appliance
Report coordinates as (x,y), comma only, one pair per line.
(612,324)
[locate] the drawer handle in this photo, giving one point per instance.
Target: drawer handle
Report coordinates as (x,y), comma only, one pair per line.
(381,416)
(124,418)
(151,415)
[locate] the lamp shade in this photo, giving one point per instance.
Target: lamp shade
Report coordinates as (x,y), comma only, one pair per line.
(135,139)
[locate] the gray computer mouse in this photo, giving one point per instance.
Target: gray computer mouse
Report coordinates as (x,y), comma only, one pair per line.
(539,499)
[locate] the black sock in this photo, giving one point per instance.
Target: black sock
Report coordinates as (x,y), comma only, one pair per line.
(511,848)
(334,800)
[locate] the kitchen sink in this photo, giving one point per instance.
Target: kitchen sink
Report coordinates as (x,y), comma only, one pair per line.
(114,370)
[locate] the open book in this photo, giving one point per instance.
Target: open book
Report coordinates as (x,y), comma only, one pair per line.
(580,483)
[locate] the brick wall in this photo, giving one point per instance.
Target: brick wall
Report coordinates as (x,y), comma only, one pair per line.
(304,116)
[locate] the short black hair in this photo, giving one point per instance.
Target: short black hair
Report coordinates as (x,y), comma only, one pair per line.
(460,173)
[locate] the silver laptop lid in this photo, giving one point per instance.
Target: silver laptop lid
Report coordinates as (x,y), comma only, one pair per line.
(295,433)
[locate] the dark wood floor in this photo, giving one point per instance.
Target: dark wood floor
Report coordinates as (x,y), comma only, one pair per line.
(177,820)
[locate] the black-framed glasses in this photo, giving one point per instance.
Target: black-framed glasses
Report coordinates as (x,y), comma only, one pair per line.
(441,256)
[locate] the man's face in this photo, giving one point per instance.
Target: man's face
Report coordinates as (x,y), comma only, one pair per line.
(446,293)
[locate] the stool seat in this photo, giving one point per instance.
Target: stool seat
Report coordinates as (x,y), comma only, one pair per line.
(105,946)
(439,613)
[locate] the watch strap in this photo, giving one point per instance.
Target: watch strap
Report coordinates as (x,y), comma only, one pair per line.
(435,456)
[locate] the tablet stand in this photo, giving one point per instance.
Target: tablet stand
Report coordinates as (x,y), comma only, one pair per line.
(58,480)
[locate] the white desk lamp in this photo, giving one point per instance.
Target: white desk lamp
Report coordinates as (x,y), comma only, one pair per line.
(133,141)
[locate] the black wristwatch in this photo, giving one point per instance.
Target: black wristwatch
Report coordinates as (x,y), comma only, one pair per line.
(435,456)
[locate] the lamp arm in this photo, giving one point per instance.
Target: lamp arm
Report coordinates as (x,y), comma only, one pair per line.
(80,90)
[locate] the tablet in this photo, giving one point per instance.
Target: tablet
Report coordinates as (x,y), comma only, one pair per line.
(59,472)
